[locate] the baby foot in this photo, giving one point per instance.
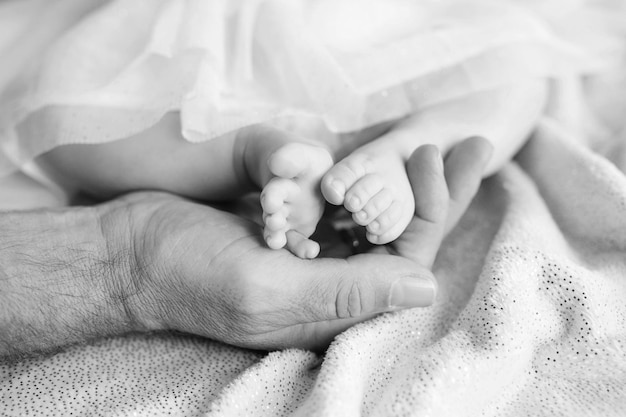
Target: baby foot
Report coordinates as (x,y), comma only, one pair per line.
(291,201)
(443,194)
(372,184)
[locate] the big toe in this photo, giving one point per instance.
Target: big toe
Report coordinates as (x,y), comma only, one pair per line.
(343,176)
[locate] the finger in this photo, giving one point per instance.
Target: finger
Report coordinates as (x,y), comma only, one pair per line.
(314,300)
(464,169)
(335,289)
(422,238)
(426,174)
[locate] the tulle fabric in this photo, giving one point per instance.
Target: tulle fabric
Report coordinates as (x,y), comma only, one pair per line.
(92,71)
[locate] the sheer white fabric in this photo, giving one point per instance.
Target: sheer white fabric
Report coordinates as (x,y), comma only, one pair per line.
(96,71)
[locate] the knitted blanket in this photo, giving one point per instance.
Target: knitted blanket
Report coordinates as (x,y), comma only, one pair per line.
(530,319)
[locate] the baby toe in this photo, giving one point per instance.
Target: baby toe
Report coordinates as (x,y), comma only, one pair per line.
(379,228)
(275,240)
(362,191)
(301,246)
(388,236)
(342,177)
(392,223)
(276,221)
(333,190)
(377,205)
(276,193)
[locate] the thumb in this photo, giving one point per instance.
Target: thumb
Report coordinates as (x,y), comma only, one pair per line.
(362,285)
(335,294)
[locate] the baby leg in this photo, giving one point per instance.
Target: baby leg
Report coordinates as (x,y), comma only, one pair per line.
(220,169)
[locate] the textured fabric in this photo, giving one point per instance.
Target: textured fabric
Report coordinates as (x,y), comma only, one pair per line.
(530,319)
(91,71)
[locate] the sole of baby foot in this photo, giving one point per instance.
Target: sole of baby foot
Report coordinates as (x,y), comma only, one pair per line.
(372,184)
(292,202)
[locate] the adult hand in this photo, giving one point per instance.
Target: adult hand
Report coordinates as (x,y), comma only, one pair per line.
(152,261)
(442,193)
(207,272)
(204,271)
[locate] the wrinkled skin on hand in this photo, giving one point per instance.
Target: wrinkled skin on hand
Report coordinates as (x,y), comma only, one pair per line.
(205,271)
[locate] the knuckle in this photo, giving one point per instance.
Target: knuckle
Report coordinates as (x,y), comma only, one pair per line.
(351,300)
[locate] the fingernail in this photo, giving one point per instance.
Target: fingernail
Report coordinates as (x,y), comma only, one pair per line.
(409,292)
(374,226)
